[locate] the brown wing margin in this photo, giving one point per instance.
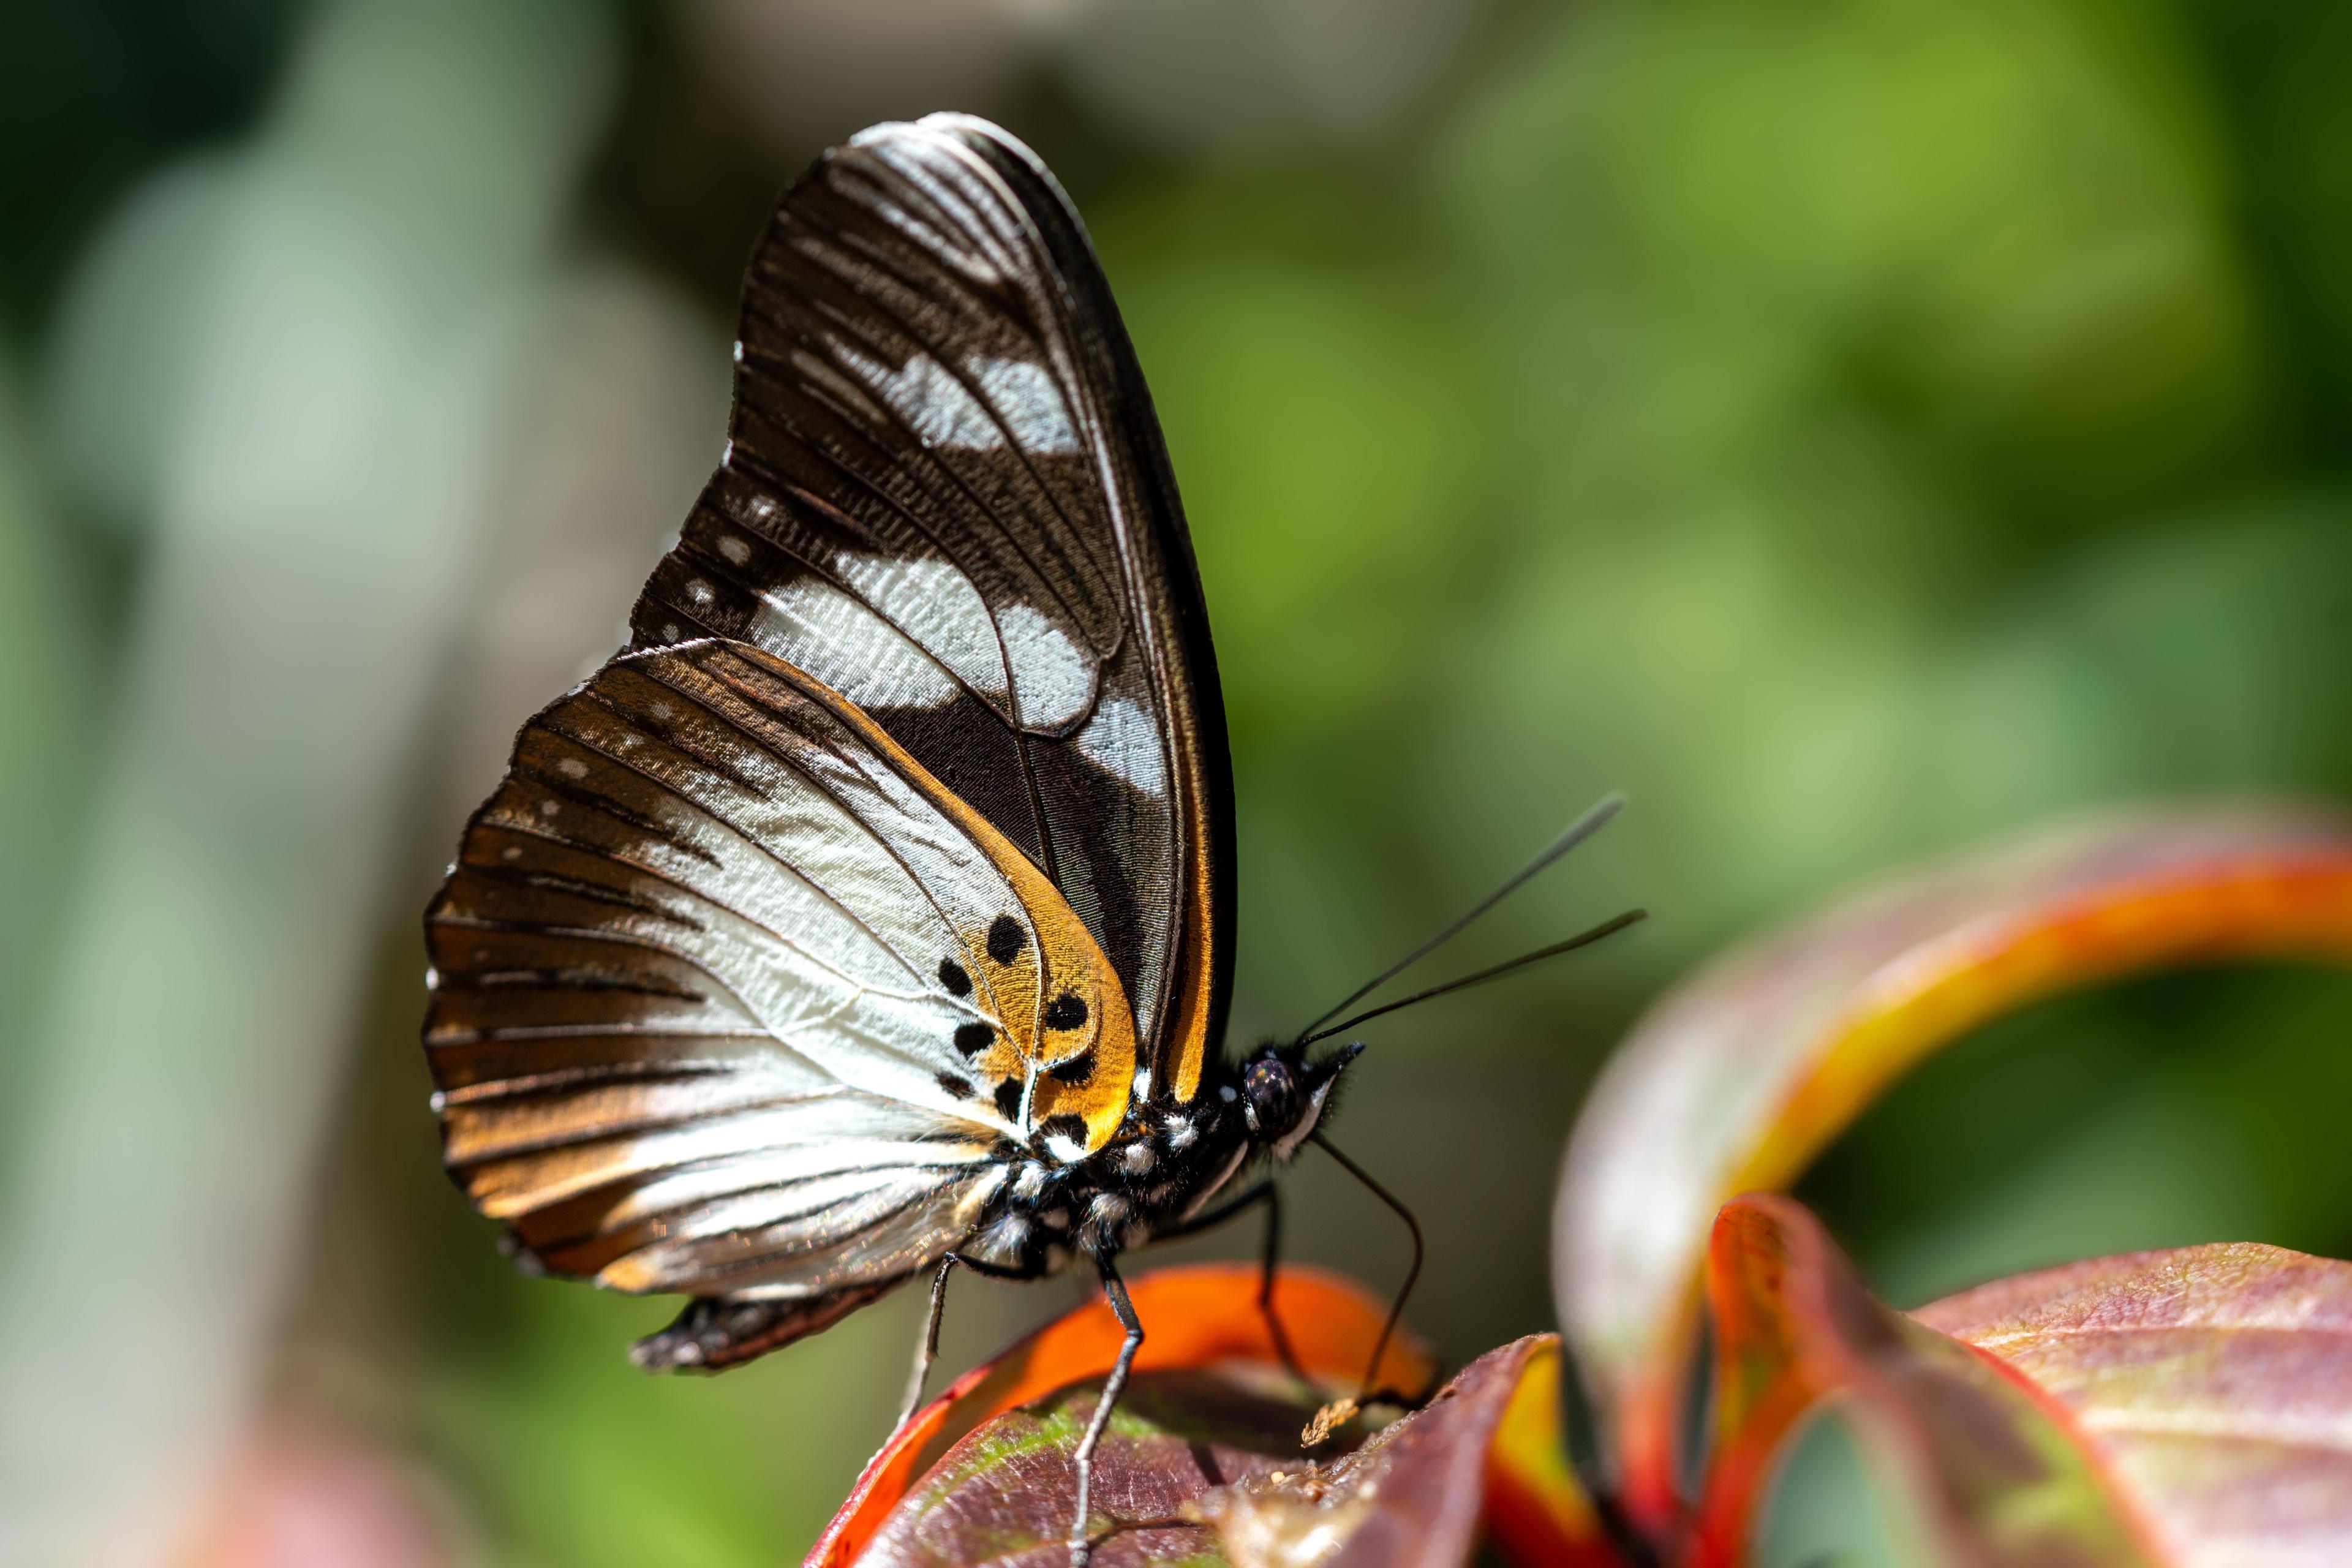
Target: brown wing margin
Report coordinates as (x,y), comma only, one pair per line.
(1164,586)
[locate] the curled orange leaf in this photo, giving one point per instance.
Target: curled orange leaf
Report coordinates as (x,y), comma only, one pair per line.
(1737,1080)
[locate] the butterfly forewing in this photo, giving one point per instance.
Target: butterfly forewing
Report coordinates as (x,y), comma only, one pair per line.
(946,497)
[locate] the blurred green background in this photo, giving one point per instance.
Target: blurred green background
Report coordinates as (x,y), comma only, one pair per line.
(1854,428)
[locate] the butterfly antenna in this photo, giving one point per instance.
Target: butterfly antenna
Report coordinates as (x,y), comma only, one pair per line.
(1581,939)
(1396,1308)
(1574,833)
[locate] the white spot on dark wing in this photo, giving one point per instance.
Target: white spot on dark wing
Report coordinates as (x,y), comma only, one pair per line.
(699,592)
(511,852)
(1122,741)
(1031,404)
(840,640)
(936,604)
(659,708)
(727,458)
(669,631)
(939,408)
(762,506)
(573,768)
(549,807)
(1069,1151)
(734,549)
(739,350)
(1054,680)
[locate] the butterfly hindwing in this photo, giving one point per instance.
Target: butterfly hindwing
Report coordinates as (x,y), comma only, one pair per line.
(945,496)
(732,995)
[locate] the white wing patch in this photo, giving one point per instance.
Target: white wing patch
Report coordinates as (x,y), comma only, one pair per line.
(1122,741)
(1018,398)
(856,652)
(1053,677)
(1029,402)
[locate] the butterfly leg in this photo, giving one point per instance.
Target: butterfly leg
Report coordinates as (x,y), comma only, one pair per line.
(927,1349)
(1270,1256)
(1114,1292)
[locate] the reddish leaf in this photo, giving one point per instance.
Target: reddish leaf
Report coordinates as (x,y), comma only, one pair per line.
(1194,1318)
(1005,1494)
(1412,1497)
(2215,1385)
(1737,1080)
(1198,1464)
(1994,1473)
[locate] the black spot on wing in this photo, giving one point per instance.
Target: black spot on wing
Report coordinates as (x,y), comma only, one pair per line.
(956,1088)
(1077,1069)
(1004,939)
(1068,1011)
(1008,1099)
(974,1038)
(1071,1126)
(952,976)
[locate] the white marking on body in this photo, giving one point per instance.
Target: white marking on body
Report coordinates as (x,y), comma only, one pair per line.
(1225,1093)
(734,549)
(1107,1208)
(1180,1133)
(1139,1158)
(1055,1219)
(1288,1145)
(1030,1182)
(1069,1151)
(1143,1081)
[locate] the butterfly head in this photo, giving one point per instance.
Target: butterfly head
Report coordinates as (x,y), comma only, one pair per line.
(1284,1093)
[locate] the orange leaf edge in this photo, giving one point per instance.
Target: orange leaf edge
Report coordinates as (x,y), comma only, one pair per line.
(1194,1315)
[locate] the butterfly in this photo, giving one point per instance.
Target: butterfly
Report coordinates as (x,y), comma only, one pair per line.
(870,914)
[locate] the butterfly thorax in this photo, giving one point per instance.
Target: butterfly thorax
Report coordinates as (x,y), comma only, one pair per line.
(1167,1164)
